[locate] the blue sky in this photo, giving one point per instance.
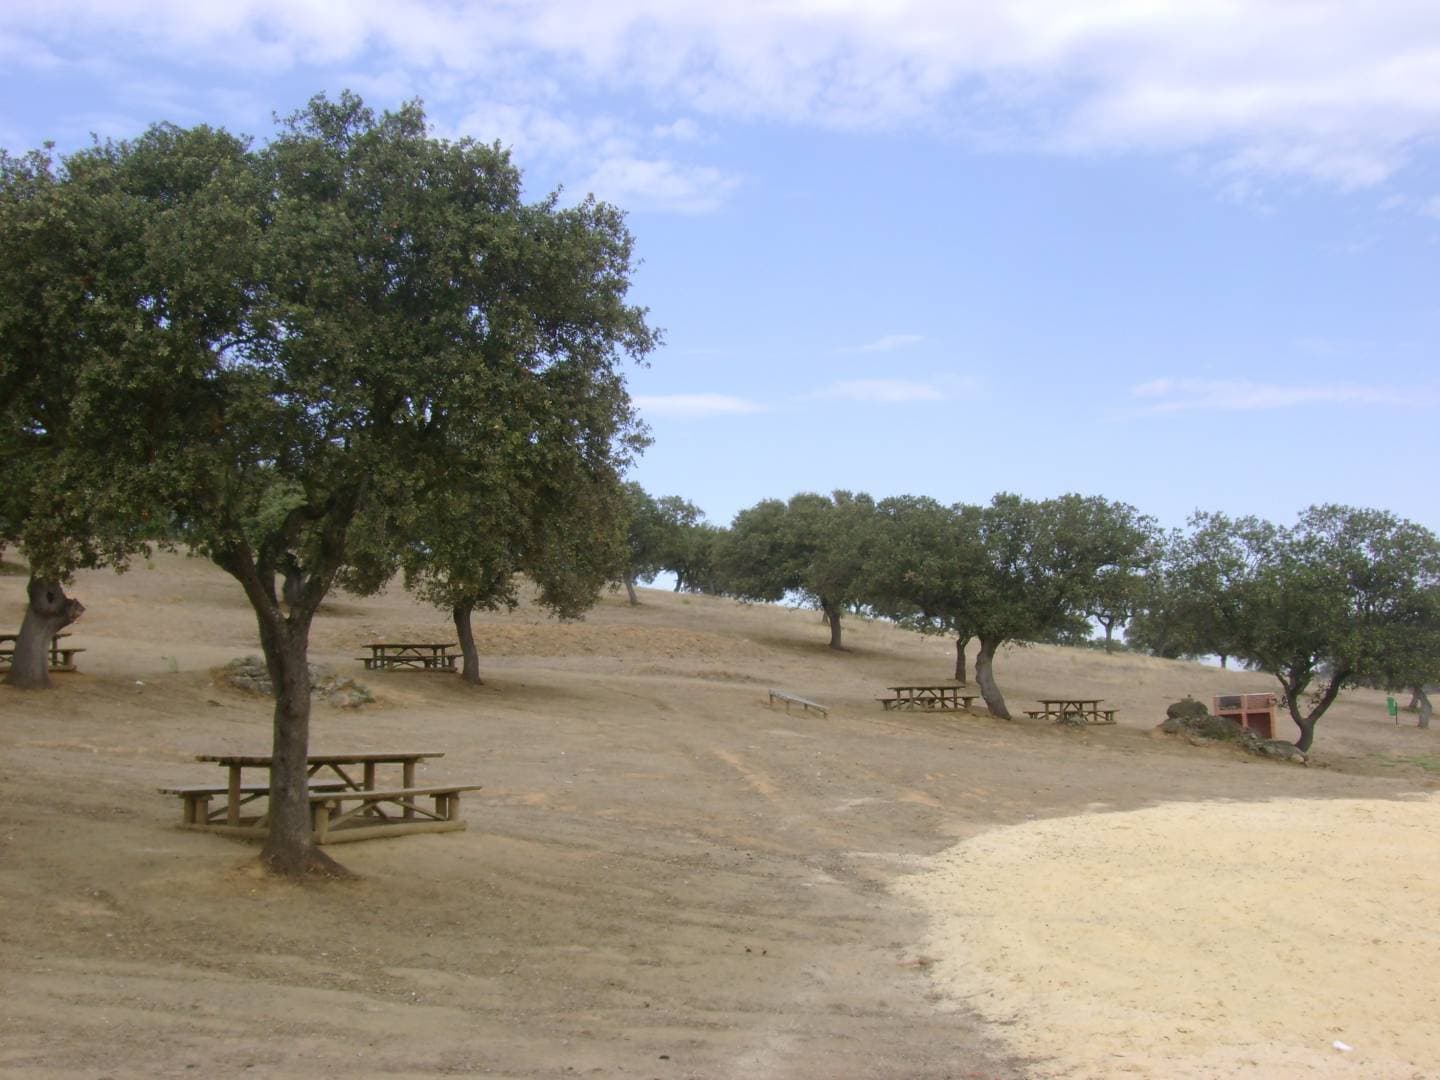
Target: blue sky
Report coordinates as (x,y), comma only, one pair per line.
(1177,254)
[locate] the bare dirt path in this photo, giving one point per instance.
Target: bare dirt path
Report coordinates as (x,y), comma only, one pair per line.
(662,877)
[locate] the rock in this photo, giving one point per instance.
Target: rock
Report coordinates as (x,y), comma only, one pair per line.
(1282,751)
(249,675)
(1187,709)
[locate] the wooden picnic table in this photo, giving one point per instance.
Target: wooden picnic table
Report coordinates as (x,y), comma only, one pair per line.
(1062,708)
(927,697)
(346,801)
(426,655)
(62,658)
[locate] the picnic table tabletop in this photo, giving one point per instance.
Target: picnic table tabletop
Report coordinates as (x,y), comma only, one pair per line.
(411,645)
(347,758)
(932,689)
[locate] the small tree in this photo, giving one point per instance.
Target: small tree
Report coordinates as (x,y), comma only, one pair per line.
(1118,589)
(1041,562)
(691,557)
(924,565)
(1344,598)
(814,546)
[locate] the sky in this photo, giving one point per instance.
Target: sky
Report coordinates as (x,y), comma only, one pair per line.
(1177,254)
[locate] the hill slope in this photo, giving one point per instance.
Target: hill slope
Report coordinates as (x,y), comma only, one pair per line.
(662,875)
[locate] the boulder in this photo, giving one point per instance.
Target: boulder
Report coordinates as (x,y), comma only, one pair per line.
(1187,708)
(249,675)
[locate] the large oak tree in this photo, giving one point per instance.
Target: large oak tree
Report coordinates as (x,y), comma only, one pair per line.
(314,336)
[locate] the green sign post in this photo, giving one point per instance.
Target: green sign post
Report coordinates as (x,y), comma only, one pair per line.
(1393,708)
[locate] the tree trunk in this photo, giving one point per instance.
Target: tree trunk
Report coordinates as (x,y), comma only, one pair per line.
(960,643)
(1109,635)
(630,590)
(290,849)
(1224,661)
(1418,694)
(1306,723)
(48,612)
(985,677)
(470,670)
(832,616)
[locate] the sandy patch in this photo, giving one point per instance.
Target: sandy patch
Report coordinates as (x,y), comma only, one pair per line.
(1201,939)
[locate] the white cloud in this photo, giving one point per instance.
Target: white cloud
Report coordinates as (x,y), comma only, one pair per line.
(888,343)
(1245,395)
(661,184)
(1339,92)
(695,405)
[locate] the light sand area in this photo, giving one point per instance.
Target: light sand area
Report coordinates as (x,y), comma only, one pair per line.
(1202,939)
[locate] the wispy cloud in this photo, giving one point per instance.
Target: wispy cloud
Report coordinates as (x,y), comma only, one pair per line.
(888,343)
(1245,395)
(661,184)
(695,405)
(899,391)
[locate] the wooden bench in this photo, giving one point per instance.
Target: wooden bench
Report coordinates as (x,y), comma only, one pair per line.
(60,659)
(334,823)
(338,812)
(791,699)
(196,798)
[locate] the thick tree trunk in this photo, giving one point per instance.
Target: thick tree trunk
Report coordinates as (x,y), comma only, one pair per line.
(290,849)
(1224,661)
(470,670)
(48,612)
(960,674)
(985,677)
(630,591)
(832,616)
(1418,694)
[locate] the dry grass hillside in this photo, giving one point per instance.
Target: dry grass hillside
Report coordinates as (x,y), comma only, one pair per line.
(664,877)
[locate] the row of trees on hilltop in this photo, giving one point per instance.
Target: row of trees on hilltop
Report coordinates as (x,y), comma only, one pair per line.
(352,352)
(1344,597)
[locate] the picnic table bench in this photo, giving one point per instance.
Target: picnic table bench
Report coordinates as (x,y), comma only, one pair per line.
(926,697)
(347,804)
(62,657)
(791,699)
(1086,710)
(425,656)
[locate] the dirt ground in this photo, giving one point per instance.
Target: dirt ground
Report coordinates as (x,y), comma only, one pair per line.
(664,877)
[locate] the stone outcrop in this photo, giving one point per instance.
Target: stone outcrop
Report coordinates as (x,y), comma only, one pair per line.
(249,675)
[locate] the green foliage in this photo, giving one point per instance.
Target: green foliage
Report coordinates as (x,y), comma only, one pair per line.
(320,359)
(814,547)
(1346,597)
(925,564)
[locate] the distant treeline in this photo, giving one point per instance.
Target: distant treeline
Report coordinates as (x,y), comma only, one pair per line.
(1344,597)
